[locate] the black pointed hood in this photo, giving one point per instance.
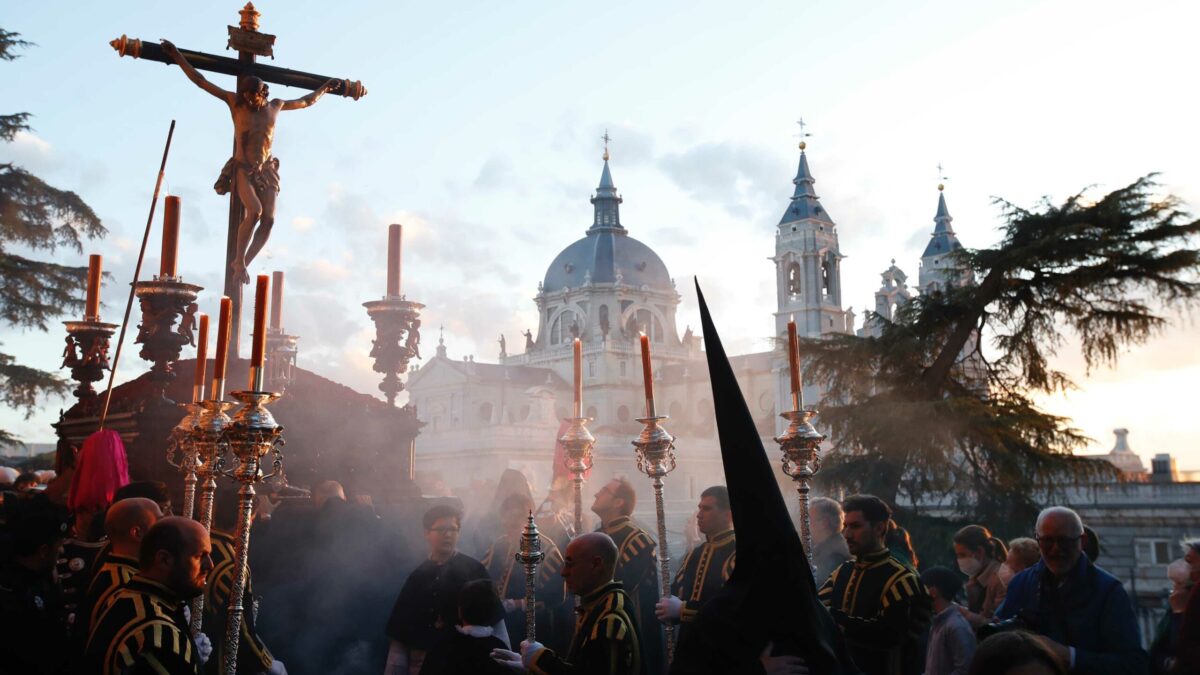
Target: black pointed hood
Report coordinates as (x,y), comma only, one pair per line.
(771,596)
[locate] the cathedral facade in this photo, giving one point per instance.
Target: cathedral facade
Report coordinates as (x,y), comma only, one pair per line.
(605,288)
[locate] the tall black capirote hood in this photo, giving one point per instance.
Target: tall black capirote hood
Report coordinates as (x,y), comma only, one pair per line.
(771,596)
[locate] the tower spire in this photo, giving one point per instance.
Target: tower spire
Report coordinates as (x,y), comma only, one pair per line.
(606,201)
(805,204)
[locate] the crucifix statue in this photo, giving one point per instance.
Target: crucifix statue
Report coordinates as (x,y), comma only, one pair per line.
(251,176)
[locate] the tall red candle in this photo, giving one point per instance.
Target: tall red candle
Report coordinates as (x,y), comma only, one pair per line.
(170,238)
(794,363)
(201,359)
(393,270)
(578,378)
(277,301)
(223,324)
(92,306)
(258,339)
(647,375)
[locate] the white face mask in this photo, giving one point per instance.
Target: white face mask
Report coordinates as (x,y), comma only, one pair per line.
(1006,574)
(1179,571)
(969,566)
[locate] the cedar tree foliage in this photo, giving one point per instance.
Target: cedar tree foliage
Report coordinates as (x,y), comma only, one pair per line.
(35,217)
(939,406)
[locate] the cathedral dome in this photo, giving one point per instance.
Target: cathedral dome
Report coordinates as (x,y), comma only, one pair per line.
(603,255)
(607,254)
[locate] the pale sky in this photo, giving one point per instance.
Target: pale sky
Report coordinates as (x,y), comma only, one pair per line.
(481,135)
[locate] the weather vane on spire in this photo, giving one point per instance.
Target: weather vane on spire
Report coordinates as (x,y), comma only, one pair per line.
(606,138)
(941,178)
(803,134)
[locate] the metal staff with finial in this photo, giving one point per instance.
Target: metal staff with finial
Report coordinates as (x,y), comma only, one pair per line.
(577,442)
(656,458)
(800,443)
(530,556)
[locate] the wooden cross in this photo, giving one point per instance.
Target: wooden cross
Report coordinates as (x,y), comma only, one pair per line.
(249,43)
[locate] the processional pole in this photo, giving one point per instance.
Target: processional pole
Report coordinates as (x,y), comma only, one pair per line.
(577,442)
(530,556)
(208,439)
(251,434)
(800,443)
(656,458)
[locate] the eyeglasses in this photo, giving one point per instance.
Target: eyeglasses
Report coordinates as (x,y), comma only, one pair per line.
(1062,542)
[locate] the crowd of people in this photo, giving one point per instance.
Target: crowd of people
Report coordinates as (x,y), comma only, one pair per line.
(74,602)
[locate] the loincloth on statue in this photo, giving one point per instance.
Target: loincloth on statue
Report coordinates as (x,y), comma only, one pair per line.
(264,176)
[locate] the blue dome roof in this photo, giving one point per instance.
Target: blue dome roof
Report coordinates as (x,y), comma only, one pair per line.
(600,255)
(606,250)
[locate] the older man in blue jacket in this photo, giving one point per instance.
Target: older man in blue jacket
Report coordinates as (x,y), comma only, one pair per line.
(1081,610)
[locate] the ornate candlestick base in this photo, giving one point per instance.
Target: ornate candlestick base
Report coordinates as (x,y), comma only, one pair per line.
(530,556)
(281,359)
(577,444)
(251,434)
(656,458)
(800,444)
(208,440)
(181,454)
(163,300)
(397,340)
(86,355)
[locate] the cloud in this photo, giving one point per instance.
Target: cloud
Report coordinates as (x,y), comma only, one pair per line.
(496,172)
(31,152)
(743,179)
(303,223)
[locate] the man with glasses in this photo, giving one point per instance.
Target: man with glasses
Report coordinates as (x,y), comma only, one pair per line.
(1081,611)
(427,608)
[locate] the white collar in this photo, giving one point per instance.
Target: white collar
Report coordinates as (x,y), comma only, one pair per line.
(476,631)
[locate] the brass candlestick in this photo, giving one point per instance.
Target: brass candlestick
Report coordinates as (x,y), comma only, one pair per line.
(397,340)
(86,355)
(181,454)
(251,434)
(577,444)
(208,440)
(530,556)
(281,359)
(800,444)
(656,458)
(163,300)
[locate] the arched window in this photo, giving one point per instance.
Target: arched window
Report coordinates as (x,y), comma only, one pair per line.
(592,412)
(826,276)
(657,336)
(604,319)
(793,279)
(485,412)
(623,414)
(560,332)
(675,410)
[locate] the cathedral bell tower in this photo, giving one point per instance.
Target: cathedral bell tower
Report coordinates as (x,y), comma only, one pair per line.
(808,263)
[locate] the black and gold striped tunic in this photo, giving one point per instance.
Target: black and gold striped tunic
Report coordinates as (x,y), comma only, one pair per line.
(606,638)
(142,629)
(883,609)
(703,573)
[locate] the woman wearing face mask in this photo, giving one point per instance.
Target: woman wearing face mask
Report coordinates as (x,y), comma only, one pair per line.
(980,557)
(1165,645)
(1185,652)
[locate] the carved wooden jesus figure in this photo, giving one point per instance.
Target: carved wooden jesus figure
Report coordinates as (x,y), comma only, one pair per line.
(252,173)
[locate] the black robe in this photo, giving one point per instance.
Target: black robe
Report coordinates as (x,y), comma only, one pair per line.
(253,656)
(426,609)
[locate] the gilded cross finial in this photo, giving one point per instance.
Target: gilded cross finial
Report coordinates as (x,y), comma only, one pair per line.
(606,138)
(803,134)
(941,178)
(249,17)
